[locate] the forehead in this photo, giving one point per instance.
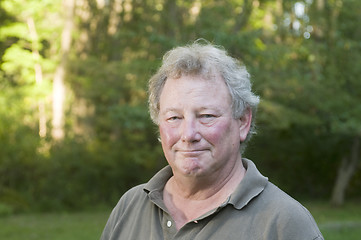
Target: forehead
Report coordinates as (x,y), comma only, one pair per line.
(195,90)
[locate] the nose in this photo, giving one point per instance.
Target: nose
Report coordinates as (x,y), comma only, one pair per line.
(189,131)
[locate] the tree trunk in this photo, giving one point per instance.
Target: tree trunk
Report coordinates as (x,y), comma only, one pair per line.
(58,84)
(172,24)
(243,19)
(38,75)
(115,16)
(345,172)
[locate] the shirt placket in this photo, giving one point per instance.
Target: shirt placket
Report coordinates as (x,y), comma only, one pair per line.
(168,226)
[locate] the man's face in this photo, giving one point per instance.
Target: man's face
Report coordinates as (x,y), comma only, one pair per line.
(198,132)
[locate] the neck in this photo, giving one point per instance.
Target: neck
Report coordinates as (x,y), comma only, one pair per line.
(190,198)
(205,187)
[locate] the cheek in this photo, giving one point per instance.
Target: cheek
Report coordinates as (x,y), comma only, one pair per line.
(168,135)
(223,133)
(220,133)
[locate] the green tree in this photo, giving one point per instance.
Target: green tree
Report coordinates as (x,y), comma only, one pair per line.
(311,79)
(303,57)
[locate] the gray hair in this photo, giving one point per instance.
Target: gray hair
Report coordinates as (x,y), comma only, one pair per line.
(206,61)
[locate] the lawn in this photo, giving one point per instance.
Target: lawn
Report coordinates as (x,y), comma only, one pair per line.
(53,226)
(335,224)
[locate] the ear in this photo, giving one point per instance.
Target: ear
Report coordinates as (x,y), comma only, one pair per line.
(245,124)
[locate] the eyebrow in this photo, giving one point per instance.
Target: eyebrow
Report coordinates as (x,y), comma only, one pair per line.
(169,110)
(198,109)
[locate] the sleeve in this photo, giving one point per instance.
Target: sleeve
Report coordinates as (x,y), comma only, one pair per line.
(112,221)
(119,210)
(287,218)
(298,224)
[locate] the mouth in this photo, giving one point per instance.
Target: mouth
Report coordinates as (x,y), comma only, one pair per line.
(191,153)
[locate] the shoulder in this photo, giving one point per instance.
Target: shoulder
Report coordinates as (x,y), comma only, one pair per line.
(131,198)
(289,217)
(281,202)
(274,210)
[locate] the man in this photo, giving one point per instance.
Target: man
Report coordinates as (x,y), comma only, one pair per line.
(202,102)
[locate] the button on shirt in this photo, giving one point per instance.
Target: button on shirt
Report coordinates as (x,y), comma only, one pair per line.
(169,223)
(257,210)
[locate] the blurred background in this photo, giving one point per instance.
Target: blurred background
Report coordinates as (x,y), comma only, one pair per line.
(74,127)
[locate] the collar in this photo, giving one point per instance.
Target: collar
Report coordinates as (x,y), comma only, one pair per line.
(154,187)
(250,187)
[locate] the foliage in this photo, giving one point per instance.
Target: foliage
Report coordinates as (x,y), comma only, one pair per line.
(304,60)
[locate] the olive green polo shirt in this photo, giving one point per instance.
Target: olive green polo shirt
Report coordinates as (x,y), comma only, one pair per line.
(256,210)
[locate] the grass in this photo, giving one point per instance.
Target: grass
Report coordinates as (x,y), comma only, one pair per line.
(53,226)
(335,224)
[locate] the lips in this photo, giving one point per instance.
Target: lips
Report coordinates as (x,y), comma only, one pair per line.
(191,153)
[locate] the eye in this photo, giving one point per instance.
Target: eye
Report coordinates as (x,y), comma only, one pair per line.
(173,118)
(207,116)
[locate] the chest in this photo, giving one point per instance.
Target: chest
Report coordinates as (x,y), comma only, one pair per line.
(155,224)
